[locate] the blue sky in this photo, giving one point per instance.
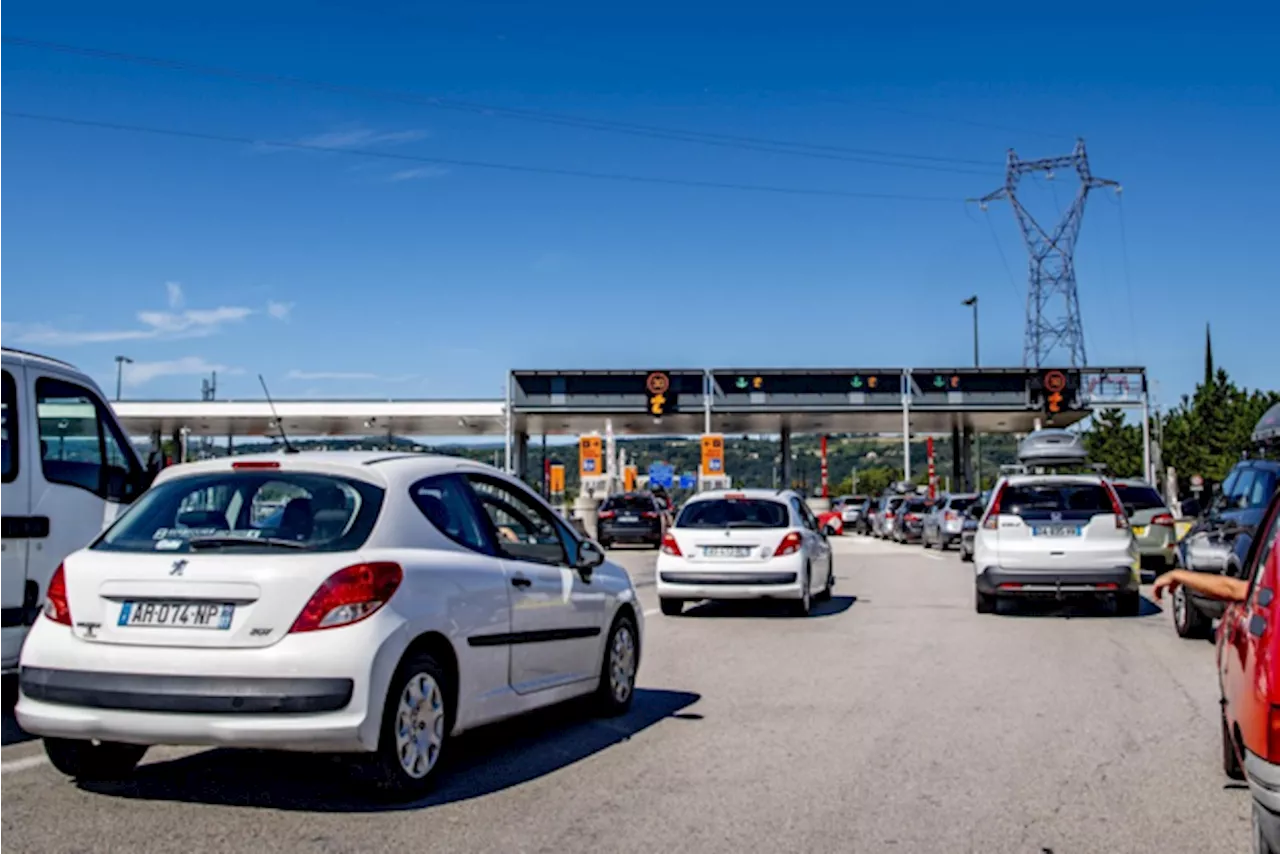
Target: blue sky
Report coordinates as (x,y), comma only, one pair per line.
(337,275)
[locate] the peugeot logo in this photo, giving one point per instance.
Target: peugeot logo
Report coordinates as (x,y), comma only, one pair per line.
(1054,516)
(178,566)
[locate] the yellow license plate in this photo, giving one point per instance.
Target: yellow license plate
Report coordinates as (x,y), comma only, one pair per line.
(1181,528)
(1140,531)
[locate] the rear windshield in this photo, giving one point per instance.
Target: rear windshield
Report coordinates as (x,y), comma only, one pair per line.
(249,511)
(733,513)
(916,507)
(892,503)
(959,504)
(1141,497)
(1054,501)
(639,503)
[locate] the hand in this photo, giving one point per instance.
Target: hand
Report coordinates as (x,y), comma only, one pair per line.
(1168,581)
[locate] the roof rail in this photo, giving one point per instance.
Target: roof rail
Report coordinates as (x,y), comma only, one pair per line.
(18,352)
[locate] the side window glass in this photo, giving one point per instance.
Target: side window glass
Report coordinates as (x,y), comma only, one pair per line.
(1264,483)
(447,506)
(9,427)
(1266,548)
(806,518)
(71,441)
(523,529)
(1238,498)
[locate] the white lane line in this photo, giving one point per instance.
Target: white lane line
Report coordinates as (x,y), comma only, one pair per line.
(932,556)
(22,764)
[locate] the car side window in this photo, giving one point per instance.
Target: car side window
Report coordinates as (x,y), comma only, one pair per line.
(1238,497)
(1265,548)
(9,427)
(79,444)
(1264,483)
(523,529)
(446,503)
(806,516)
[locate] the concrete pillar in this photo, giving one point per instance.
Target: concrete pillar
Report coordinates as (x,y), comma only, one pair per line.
(966,450)
(957,461)
(586,509)
(784,443)
(520,454)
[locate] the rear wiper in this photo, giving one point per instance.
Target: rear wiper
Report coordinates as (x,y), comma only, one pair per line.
(744,524)
(217,542)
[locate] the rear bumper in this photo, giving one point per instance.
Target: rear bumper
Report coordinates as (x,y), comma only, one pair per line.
(1264,784)
(630,533)
(779,578)
(1056,582)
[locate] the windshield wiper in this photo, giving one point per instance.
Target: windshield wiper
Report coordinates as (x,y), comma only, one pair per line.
(219,541)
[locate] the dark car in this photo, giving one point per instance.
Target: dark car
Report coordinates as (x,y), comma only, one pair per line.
(1220,539)
(909,523)
(632,517)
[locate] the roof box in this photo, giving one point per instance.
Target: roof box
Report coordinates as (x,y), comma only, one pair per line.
(1052,448)
(1268,427)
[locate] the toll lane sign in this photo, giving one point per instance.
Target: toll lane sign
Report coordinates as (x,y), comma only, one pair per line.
(590,457)
(713,455)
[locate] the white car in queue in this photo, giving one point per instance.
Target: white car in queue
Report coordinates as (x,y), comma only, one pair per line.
(744,544)
(374,604)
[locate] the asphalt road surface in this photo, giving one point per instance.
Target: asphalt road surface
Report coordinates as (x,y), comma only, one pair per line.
(894,719)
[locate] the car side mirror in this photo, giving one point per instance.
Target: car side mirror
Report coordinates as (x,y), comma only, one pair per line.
(590,556)
(1129,510)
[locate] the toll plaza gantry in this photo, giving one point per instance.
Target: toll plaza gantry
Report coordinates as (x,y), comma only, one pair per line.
(960,402)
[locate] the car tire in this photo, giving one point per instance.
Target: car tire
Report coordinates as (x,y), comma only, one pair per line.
(824,595)
(93,760)
(1129,604)
(671,607)
(804,605)
(1258,840)
(420,698)
(1230,759)
(1188,621)
(924,541)
(983,603)
(618,668)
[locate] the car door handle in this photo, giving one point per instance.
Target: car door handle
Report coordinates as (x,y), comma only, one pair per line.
(521,581)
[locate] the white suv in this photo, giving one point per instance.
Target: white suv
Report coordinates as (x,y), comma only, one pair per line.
(747,544)
(1053,535)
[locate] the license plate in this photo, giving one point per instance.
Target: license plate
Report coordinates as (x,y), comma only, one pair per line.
(177,615)
(1140,531)
(628,518)
(726,551)
(1055,531)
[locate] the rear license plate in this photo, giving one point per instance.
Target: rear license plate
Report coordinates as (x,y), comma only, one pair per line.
(628,518)
(1055,531)
(177,615)
(726,551)
(1140,531)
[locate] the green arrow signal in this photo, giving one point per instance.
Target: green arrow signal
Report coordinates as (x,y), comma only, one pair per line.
(939,382)
(741,383)
(856,382)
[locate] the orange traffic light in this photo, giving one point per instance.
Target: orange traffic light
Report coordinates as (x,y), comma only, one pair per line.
(1055,402)
(657,402)
(757,382)
(871,382)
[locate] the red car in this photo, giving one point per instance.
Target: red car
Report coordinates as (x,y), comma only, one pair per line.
(833,520)
(1249,677)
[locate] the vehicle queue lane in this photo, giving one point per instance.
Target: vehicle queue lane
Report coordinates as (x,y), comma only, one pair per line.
(895,719)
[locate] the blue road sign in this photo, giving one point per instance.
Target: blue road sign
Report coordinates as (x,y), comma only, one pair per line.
(662,475)
(688,480)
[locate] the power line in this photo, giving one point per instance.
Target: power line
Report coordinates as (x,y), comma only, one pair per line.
(477,164)
(749,143)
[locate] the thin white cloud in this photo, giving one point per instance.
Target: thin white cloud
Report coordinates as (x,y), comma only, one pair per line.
(361,138)
(140,373)
(418,174)
(279,310)
(175,323)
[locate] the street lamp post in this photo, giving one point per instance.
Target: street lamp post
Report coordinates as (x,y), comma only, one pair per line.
(121,361)
(972,302)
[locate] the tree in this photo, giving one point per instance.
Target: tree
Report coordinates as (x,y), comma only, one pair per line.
(1115,443)
(875,480)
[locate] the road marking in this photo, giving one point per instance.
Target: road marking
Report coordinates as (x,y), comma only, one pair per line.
(932,556)
(22,764)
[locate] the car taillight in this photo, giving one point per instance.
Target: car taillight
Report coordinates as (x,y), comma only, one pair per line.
(55,598)
(607,514)
(1117,509)
(256,464)
(649,514)
(911,517)
(670,546)
(888,515)
(790,545)
(991,521)
(949,516)
(1165,519)
(349,596)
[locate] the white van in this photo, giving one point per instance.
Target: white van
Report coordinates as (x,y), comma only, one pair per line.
(68,470)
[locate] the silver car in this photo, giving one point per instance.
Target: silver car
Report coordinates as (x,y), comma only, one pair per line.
(945,522)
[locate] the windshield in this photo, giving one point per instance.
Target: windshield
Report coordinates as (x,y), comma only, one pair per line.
(1140,497)
(248,511)
(915,507)
(635,503)
(1056,501)
(733,513)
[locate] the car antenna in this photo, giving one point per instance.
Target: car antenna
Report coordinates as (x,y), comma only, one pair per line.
(288,448)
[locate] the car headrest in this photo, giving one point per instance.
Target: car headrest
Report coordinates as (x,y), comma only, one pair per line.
(297,520)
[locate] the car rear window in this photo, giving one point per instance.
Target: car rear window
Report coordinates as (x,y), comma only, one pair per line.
(1141,497)
(733,513)
(248,511)
(1055,501)
(960,504)
(638,503)
(916,507)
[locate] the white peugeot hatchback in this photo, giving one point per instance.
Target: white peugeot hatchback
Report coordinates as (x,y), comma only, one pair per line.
(1051,535)
(376,604)
(748,544)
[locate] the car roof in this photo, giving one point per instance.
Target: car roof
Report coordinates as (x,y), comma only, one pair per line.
(1132,481)
(1023,479)
(771,494)
(27,358)
(379,467)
